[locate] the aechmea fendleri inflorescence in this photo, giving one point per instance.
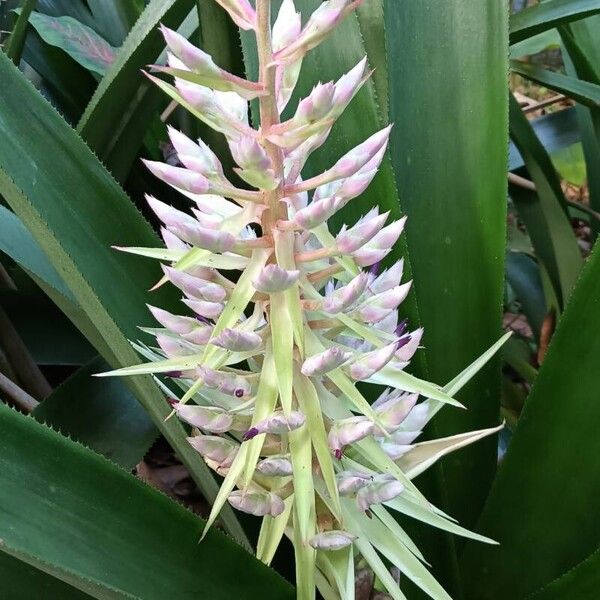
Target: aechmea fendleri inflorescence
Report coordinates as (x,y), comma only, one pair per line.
(284,318)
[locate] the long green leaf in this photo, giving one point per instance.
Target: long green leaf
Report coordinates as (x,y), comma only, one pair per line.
(16,41)
(548,15)
(544,211)
(125,98)
(71,513)
(543,506)
(101,414)
(21,581)
(444,83)
(582,91)
(76,212)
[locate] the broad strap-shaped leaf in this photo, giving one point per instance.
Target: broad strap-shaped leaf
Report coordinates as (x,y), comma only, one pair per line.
(96,527)
(125,98)
(584,92)
(550,474)
(101,414)
(544,211)
(16,42)
(76,212)
(547,15)
(456,203)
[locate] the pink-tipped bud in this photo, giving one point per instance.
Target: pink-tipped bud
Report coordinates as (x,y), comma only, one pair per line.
(277,423)
(382,489)
(180,179)
(225,382)
(325,361)
(214,448)
(348,431)
(191,56)
(275,466)
(348,84)
(241,12)
(406,352)
(195,287)
(257,503)
(273,279)
(174,323)
(316,212)
(249,154)
(413,424)
(359,156)
(317,105)
(349,482)
(167,214)
(343,298)
(208,310)
(371,362)
(201,335)
(332,540)
(394,449)
(394,410)
(237,341)
(212,240)
(172,347)
(210,418)
(388,279)
(287,25)
(389,235)
(195,156)
(350,240)
(377,307)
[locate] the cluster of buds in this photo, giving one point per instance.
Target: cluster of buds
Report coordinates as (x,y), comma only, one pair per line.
(283,317)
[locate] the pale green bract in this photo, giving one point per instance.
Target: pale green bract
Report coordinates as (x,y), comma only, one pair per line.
(269,361)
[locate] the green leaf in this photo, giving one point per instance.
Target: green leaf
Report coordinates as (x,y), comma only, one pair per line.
(538,43)
(451,177)
(544,213)
(114,18)
(547,15)
(580,583)
(101,414)
(125,98)
(79,41)
(96,527)
(552,455)
(21,581)
(76,212)
(582,91)
(16,42)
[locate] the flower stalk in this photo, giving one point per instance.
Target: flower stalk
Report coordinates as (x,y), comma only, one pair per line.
(267,360)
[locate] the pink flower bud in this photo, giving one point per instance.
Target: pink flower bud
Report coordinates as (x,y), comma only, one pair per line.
(237,340)
(348,431)
(349,482)
(347,85)
(171,346)
(389,235)
(393,449)
(197,157)
(257,503)
(210,418)
(195,287)
(382,489)
(413,424)
(217,449)
(388,279)
(379,306)
(317,105)
(332,540)
(350,240)
(325,361)
(406,352)
(370,363)
(174,323)
(394,409)
(209,239)
(208,310)
(275,466)
(191,56)
(181,179)
(225,382)
(241,12)
(287,26)
(276,423)
(167,214)
(316,212)
(249,154)
(201,335)
(343,298)
(273,279)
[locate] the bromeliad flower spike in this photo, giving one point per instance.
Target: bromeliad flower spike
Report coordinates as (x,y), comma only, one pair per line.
(269,361)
